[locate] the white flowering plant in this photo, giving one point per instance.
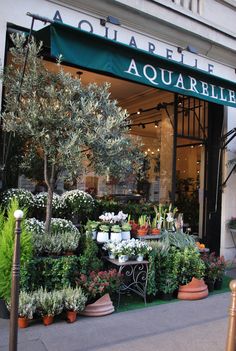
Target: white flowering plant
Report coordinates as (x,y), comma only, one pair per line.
(142,248)
(112,218)
(111,246)
(24,197)
(40,203)
(76,201)
(74,299)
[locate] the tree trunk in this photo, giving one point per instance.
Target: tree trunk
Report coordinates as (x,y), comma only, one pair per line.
(49,210)
(50,185)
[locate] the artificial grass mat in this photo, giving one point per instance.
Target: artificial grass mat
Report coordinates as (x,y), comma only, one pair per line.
(131,301)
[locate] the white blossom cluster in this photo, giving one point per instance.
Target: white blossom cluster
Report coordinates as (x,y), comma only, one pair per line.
(132,247)
(40,201)
(110,217)
(34,226)
(24,197)
(77,199)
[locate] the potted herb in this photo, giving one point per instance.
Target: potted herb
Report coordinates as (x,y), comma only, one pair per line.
(116,232)
(69,242)
(49,304)
(74,302)
(26,309)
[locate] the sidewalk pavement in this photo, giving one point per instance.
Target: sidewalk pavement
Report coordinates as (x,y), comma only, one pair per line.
(182,325)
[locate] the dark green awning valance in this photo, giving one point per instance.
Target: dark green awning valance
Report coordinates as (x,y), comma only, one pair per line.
(92,52)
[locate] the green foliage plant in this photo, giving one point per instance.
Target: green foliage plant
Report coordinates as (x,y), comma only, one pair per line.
(71,127)
(189,264)
(89,260)
(115,228)
(50,273)
(7,238)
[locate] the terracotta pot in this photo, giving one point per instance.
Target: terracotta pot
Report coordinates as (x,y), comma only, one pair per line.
(71,316)
(155,231)
(142,232)
(195,290)
(23,322)
(47,320)
(101,307)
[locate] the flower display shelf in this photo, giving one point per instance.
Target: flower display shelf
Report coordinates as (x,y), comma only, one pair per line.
(135,274)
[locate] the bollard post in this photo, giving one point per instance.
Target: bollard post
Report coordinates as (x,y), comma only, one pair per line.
(231,337)
(15,284)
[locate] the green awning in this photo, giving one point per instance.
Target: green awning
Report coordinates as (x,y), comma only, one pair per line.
(92,52)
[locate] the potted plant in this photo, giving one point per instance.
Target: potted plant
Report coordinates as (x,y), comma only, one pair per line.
(190,272)
(91,228)
(155,227)
(26,309)
(112,248)
(69,242)
(126,228)
(142,248)
(116,232)
(103,233)
(214,270)
(49,304)
(143,225)
(126,249)
(98,286)
(74,302)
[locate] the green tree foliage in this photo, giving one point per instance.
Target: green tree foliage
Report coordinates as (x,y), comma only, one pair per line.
(7,238)
(71,127)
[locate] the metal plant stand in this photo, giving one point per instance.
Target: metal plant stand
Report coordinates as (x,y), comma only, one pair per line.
(135,276)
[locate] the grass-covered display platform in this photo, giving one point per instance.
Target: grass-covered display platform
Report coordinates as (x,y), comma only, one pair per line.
(131,302)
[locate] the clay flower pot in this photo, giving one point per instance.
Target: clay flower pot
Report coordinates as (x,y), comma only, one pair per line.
(23,322)
(47,320)
(101,307)
(142,231)
(155,231)
(71,316)
(195,290)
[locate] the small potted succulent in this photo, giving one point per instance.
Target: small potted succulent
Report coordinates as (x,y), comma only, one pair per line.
(116,233)
(74,302)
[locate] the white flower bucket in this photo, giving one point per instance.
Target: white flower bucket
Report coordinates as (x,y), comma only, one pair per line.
(125,235)
(116,236)
(139,258)
(94,234)
(102,237)
(122,258)
(111,255)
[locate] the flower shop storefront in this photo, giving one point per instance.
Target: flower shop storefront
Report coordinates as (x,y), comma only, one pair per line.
(177,111)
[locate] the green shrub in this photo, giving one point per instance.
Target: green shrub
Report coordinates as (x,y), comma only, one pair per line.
(7,238)
(49,273)
(88,260)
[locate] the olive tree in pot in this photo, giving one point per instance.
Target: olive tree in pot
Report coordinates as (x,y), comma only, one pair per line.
(70,127)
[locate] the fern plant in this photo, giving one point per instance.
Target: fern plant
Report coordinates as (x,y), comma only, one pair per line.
(7,238)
